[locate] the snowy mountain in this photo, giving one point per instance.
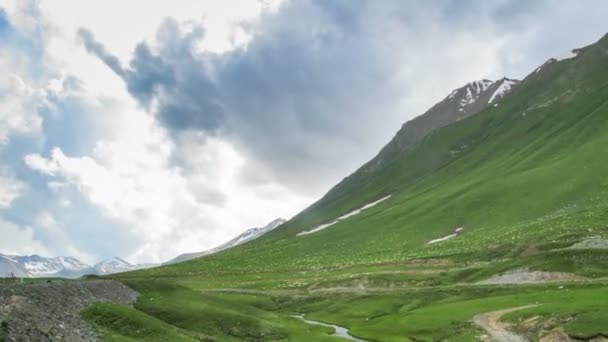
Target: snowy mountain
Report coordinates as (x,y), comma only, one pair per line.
(117,265)
(476,95)
(461,103)
(246,236)
(63,267)
(8,268)
(37,266)
(113,265)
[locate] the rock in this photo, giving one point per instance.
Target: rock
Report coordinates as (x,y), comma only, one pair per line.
(525,276)
(592,243)
(556,335)
(51,311)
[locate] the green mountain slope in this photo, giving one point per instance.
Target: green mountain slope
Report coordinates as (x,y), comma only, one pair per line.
(498,195)
(510,174)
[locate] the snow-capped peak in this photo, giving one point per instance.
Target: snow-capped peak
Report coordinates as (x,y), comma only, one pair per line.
(254,233)
(478,94)
(505,86)
(113,265)
(246,236)
(62,266)
(36,265)
(274,224)
(473,89)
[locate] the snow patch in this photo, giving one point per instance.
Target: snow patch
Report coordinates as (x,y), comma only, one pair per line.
(473,91)
(504,87)
(447,237)
(343,217)
(442,239)
(452,94)
(367,206)
(318,228)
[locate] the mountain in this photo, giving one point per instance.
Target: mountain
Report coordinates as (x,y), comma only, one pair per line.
(246,236)
(113,265)
(9,267)
(495,212)
(117,265)
(37,266)
(461,103)
(498,159)
(63,267)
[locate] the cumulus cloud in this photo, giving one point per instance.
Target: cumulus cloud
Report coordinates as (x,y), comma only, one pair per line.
(322,85)
(163,208)
(10,188)
(18,105)
(19,241)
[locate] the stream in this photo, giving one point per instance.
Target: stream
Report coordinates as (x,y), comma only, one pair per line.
(339,331)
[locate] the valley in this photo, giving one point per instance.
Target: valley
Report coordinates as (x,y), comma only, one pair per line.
(495,229)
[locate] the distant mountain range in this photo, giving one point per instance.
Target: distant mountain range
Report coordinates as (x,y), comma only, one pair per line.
(246,236)
(32,266)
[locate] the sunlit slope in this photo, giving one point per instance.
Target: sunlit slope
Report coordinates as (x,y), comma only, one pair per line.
(531,171)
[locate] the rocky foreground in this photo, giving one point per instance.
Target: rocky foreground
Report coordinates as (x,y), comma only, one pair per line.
(51,311)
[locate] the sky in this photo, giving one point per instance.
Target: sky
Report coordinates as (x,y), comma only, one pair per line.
(147,129)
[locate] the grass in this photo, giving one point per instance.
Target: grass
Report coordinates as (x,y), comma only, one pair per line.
(526,180)
(223,316)
(3,331)
(120,323)
(174,312)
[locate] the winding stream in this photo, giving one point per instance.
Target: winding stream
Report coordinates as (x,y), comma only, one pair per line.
(339,331)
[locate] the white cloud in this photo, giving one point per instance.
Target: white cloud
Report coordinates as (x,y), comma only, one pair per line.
(132,180)
(129,174)
(19,241)
(57,241)
(10,188)
(18,104)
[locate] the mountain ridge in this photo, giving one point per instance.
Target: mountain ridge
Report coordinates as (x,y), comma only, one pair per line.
(34,266)
(248,235)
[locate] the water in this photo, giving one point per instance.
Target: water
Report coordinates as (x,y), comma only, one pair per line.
(339,331)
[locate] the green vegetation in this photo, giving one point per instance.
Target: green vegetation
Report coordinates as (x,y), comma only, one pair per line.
(3,331)
(525,180)
(120,323)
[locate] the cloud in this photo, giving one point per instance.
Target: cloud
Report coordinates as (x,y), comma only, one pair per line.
(95,165)
(18,105)
(162,209)
(97,49)
(10,188)
(321,86)
(19,241)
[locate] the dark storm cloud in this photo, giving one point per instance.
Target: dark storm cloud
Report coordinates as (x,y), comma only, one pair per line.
(318,88)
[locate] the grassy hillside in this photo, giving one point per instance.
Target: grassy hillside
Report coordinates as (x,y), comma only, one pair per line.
(524,179)
(530,171)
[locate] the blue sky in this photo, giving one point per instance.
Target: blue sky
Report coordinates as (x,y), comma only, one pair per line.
(145,129)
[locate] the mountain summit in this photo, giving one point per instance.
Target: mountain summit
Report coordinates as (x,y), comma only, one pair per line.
(248,235)
(461,103)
